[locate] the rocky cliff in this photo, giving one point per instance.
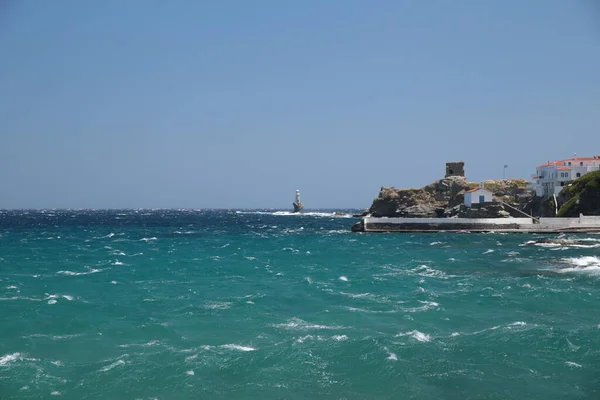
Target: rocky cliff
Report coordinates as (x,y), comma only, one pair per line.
(582,196)
(444,198)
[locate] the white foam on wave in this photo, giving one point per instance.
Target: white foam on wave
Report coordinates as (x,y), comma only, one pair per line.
(113,365)
(338,231)
(55,393)
(339,338)
(12,287)
(583,265)
(391,356)
(420,336)
(302,339)
(293,214)
(147,239)
(190,372)
(89,271)
(299,324)
(363,310)
(343,278)
(237,347)
(573,364)
(518,323)
(427,305)
(18,298)
(147,344)
(217,305)
(8,358)
(426,271)
(584,261)
(488,251)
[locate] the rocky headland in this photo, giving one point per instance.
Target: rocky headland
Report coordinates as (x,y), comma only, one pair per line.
(445,198)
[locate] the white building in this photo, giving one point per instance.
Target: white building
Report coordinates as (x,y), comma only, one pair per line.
(477,196)
(551,177)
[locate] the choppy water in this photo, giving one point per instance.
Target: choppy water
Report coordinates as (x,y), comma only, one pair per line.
(255,305)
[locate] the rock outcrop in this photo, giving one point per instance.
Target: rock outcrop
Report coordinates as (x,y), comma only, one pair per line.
(445,197)
(582,196)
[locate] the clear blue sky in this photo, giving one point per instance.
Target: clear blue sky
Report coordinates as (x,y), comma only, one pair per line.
(145,103)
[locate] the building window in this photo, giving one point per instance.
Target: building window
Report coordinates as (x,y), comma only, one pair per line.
(578,174)
(569,163)
(581,163)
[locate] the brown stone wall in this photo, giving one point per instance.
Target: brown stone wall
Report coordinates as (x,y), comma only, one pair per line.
(456,168)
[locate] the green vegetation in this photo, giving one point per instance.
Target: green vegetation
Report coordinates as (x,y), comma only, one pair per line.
(581,196)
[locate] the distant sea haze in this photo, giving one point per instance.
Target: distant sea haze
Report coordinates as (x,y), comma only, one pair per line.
(192,304)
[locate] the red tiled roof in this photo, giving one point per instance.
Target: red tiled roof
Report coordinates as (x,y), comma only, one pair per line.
(563,169)
(575,159)
(550,163)
(476,189)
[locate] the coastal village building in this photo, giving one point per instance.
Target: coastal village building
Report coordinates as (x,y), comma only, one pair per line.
(551,177)
(477,196)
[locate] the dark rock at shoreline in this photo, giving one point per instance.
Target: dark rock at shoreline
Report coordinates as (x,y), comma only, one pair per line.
(357,227)
(362,214)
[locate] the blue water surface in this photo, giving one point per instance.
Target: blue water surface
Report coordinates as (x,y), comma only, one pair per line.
(193,304)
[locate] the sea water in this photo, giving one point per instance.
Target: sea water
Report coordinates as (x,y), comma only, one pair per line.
(159,304)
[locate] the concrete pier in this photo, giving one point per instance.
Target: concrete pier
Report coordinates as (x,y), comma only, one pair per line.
(582,224)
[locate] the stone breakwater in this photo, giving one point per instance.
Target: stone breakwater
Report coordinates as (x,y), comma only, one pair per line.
(517,225)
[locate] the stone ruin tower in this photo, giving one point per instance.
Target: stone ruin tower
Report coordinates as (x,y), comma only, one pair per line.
(456,168)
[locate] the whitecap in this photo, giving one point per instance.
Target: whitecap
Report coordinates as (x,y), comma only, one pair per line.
(573,364)
(518,323)
(584,261)
(73,273)
(299,324)
(113,365)
(9,358)
(190,372)
(66,296)
(427,305)
(51,301)
(302,339)
(55,393)
(237,347)
(420,336)
(217,305)
(488,251)
(391,356)
(343,278)
(147,239)
(339,338)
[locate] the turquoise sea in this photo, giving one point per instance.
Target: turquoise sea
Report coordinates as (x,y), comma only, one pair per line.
(156,304)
